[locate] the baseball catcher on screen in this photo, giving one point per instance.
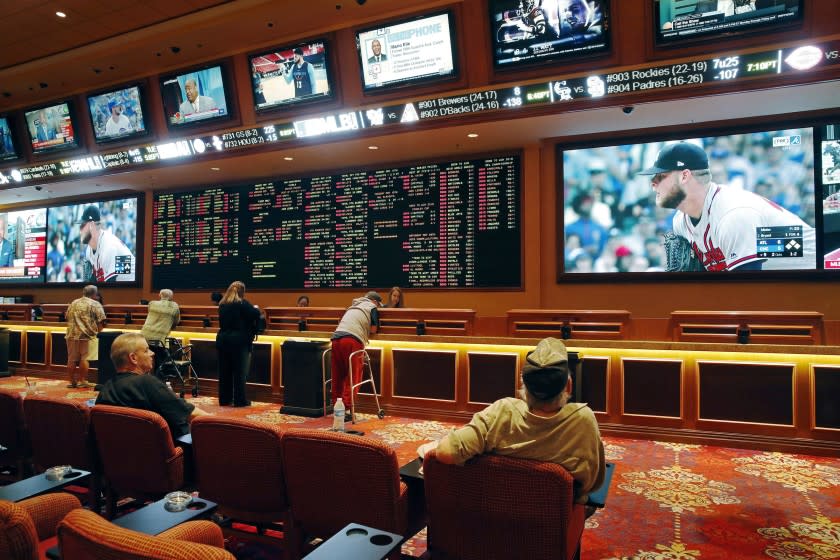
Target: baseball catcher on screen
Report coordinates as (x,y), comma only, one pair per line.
(718,223)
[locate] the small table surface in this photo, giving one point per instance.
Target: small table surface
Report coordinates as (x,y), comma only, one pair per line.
(154,518)
(357,542)
(38,484)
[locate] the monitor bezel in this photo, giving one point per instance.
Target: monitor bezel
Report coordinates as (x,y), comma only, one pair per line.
(144,106)
(74,121)
(293,103)
(230,96)
(413,82)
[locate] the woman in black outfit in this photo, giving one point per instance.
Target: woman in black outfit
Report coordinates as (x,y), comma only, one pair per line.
(238,322)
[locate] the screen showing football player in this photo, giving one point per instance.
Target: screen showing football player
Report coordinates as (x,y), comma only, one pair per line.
(302,74)
(721,221)
(107,259)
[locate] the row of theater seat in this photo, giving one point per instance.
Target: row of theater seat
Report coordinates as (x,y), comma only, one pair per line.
(313,482)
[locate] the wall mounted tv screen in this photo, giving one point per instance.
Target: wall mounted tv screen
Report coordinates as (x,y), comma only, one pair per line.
(532,31)
(830,171)
(681,20)
(195,96)
(742,202)
(290,75)
(51,128)
(407,52)
(7,142)
(93,242)
(23,242)
(117,114)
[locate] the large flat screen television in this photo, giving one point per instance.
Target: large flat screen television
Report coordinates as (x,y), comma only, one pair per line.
(23,241)
(406,52)
(678,21)
(51,128)
(548,31)
(742,203)
(117,115)
(193,96)
(290,75)
(7,142)
(97,241)
(830,171)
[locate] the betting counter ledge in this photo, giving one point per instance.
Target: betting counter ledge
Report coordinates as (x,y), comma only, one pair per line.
(779,397)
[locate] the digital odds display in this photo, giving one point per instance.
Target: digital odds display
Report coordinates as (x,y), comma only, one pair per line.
(740,202)
(526,32)
(407,52)
(452,224)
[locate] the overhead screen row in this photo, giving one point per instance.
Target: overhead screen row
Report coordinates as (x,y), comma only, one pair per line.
(524,33)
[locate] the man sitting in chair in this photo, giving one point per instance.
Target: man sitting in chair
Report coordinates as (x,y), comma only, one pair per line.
(543,425)
(131,387)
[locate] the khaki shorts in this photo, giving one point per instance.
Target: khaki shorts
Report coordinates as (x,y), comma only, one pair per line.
(77,350)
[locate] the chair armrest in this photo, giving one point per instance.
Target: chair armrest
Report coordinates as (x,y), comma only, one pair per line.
(200,532)
(48,510)
(598,497)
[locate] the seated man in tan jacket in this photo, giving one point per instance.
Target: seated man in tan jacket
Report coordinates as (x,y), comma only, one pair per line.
(541,425)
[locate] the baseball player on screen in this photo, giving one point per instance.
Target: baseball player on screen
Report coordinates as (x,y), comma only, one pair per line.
(720,221)
(107,259)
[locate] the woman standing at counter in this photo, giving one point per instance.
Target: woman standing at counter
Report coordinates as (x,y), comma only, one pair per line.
(395,298)
(238,325)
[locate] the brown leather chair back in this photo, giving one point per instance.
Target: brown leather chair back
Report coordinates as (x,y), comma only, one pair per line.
(136,451)
(59,432)
(12,431)
(501,507)
(333,479)
(239,466)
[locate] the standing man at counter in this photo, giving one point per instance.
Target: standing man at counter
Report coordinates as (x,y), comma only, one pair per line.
(359,321)
(162,316)
(85,318)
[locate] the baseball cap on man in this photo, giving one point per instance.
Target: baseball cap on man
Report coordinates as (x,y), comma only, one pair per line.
(91,214)
(676,157)
(547,370)
(372,295)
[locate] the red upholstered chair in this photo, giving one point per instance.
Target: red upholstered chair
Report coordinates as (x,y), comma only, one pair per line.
(137,454)
(12,431)
(59,433)
(83,535)
(333,479)
(238,465)
(28,528)
(501,507)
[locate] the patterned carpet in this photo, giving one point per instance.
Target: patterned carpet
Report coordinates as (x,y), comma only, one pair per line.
(667,501)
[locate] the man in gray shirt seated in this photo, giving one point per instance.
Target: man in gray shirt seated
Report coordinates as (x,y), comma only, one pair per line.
(132,388)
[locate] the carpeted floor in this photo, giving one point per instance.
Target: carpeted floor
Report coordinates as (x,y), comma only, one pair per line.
(667,501)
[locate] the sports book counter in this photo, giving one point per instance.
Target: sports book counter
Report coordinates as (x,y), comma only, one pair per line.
(689,385)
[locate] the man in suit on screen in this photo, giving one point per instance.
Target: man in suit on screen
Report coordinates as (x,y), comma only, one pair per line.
(378,55)
(196,103)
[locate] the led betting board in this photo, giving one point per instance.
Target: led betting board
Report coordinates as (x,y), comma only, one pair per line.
(437,225)
(688,74)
